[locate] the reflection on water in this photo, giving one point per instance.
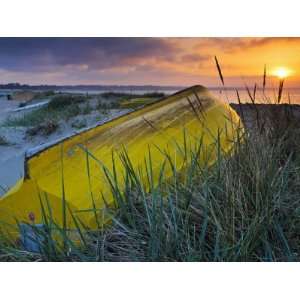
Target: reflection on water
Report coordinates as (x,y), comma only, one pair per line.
(227,95)
(269,96)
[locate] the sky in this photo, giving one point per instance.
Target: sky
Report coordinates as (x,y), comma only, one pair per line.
(147,61)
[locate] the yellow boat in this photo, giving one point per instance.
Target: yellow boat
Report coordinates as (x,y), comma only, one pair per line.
(71,171)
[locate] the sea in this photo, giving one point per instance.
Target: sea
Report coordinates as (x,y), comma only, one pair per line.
(228,95)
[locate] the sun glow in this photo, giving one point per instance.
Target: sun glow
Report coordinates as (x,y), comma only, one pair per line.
(282,72)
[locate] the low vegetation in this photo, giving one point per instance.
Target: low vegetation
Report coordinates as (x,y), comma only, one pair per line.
(46,129)
(123,96)
(45,94)
(79,124)
(112,104)
(62,101)
(36,117)
(3,141)
(66,106)
(86,109)
(61,107)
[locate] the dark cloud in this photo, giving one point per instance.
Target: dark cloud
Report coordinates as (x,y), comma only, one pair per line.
(114,60)
(31,54)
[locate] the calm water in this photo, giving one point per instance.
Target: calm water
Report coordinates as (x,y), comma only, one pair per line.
(228,95)
(272,95)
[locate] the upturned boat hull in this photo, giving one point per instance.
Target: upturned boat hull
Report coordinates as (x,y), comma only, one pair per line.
(75,171)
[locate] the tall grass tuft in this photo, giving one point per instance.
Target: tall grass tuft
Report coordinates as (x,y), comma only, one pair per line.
(219,70)
(243,208)
(264,78)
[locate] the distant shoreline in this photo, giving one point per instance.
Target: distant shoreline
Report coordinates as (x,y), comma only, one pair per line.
(108,88)
(13,86)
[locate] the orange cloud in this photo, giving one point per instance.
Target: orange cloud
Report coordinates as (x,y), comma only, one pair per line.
(157,61)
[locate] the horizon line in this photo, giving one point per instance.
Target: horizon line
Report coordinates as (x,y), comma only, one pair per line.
(17,85)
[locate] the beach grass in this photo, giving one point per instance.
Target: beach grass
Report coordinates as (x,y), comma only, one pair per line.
(245,207)
(128,96)
(38,116)
(62,101)
(67,106)
(3,141)
(60,107)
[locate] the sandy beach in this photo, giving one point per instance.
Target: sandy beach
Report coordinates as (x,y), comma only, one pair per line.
(19,139)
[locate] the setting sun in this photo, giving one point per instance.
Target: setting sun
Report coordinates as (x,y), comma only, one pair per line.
(282,72)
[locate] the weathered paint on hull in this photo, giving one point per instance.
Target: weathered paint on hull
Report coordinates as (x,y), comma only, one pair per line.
(158,128)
